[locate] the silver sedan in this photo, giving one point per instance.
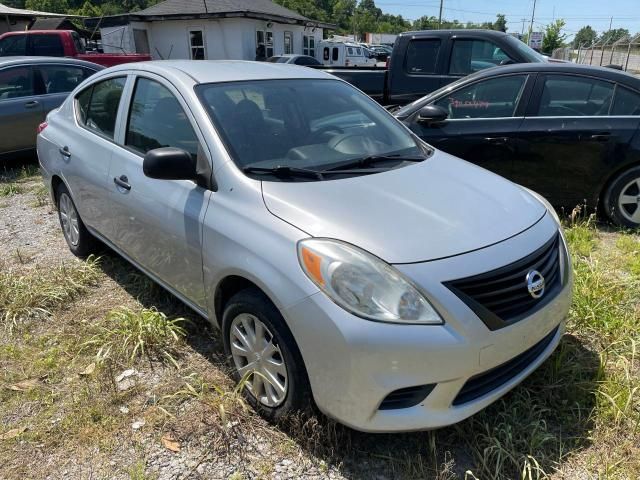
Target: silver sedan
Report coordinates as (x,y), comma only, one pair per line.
(346,262)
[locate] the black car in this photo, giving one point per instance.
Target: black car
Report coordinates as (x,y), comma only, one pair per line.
(569,132)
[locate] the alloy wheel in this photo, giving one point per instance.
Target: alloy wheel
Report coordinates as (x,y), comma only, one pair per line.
(258,359)
(69,219)
(629,201)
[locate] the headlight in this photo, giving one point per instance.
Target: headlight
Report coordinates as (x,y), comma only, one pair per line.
(363,284)
(546,203)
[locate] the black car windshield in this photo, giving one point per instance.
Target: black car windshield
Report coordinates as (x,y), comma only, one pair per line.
(311,124)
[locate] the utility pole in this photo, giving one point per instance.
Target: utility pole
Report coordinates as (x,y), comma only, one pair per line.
(522,31)
(440,17)
(533,15)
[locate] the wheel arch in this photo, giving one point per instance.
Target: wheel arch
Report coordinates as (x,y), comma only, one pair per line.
(227,287)
(606,184)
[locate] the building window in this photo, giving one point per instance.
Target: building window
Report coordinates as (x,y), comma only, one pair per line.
(288,43)
(309,45)
(196,42)
(264,38)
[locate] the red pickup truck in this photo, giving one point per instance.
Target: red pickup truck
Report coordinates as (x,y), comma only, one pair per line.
(59,43)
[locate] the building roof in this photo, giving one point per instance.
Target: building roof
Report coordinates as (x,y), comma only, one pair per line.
(188,9)
(19,12)
(214,71)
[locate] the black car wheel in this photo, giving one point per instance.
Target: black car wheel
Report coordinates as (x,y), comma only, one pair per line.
(622,200)
(80,241)
(264,355)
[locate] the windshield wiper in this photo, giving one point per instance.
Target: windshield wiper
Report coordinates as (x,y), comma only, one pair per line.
(284,171)
(372,159)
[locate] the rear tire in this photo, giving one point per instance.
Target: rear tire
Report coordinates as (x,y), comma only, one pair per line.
(622,199)
(80,241)
(257,339)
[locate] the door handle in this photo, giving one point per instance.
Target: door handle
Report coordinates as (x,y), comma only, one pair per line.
(601,137)
(64,151)
(497,140)
(31,104)
(122,182)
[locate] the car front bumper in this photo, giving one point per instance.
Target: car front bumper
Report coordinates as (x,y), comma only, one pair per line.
(353,364)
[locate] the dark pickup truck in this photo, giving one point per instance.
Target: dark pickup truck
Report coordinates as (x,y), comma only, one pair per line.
(424,61)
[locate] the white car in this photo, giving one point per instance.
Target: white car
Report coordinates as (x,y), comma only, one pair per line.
(345,261)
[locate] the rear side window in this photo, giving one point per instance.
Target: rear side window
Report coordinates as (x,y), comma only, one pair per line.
(335,54)
(422,56)
(627,102)
(574,96)
(97,106)
(46,45)
(13,45)
(325,54)
(77,42)
(16,82)
(62,78)
(148,128)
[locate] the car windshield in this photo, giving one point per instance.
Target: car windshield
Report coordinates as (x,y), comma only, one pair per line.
(311,124)
(525,50)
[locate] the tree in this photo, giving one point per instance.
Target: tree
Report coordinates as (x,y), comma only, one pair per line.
(553,37)
(585,36)
(613,35)
(52,6)
(501,23)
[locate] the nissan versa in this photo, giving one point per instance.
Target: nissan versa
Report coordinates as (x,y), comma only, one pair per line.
(344,260)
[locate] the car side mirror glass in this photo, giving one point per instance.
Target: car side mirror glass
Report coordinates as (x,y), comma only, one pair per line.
(169,163)
(430,114)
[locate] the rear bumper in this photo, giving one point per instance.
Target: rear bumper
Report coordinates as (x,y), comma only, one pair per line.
(353,364)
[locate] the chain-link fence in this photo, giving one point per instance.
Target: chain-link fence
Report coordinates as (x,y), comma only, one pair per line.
(623,53)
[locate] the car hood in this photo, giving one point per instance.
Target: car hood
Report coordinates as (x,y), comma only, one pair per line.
(438,208)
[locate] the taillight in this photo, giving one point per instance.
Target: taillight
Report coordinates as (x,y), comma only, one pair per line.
(42,126)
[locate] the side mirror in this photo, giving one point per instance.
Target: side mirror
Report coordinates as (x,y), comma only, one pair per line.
(169,163)
(507,61)
(430,114)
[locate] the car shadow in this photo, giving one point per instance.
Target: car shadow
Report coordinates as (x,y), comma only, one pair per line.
(538,425)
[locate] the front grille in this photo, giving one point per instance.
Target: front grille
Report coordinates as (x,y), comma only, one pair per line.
(486,382)
(406,397)
(501,297)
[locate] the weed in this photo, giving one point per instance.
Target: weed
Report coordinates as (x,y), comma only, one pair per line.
(9,189)
(128,334)
(36,293)
(41,193)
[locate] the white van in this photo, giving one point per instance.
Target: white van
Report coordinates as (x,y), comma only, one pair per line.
(343,54)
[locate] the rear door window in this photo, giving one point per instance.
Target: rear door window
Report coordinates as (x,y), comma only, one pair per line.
(422,56)
(626,102)
(148,128)
(473,55)
(494,98)
(574,96)
(46,45)
(13,45)
(97,106)
(62,78)
(16,82)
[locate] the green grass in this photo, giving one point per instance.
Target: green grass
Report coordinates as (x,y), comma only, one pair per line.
(128,335)
(37,293)
(10,189)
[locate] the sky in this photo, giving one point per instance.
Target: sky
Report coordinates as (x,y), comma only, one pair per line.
(576,13)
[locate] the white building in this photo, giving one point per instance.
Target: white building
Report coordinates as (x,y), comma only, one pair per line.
(210,29)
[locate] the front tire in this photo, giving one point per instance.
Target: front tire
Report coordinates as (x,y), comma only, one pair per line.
(622,200)
(80,241)
(264,354)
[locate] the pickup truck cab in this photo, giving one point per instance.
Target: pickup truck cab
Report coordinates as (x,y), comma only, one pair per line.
(424,61)
(59,43)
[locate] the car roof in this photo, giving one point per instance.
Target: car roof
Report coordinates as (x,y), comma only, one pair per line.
(426,33)
(22,60)
(570,68)
(216,71)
